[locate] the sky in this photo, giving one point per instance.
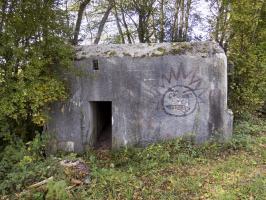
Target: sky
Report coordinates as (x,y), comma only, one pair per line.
(202,7)
(110,29)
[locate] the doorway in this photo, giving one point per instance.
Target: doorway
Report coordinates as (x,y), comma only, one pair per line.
(103,125)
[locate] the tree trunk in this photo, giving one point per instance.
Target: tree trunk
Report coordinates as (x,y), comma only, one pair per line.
(82,7)
(187,18)
(67,16)
(175,23)
(218,23)
(118,25)
(156,35)
(224,29)
(141,28)
(3,9)
(102,23)
(126,27)
(161,36)
(180,35)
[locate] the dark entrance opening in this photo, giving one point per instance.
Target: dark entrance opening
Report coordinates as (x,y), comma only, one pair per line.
(103,125)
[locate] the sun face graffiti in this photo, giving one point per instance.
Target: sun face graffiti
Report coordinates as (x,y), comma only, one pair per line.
(179,101)
(179,93)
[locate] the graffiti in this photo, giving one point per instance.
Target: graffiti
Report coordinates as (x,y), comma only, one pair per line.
(179,101)
(182,92)
(179,92)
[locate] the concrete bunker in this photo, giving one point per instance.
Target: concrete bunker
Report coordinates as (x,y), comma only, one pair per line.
(135,95)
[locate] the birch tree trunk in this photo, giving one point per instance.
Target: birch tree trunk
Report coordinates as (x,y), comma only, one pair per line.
(118,24)
(102,23)
(82,7)
(186,19)
(175,23)
(126,27)
(180,34)
(161,35)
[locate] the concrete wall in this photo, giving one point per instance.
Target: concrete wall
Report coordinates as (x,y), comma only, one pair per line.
(158,92)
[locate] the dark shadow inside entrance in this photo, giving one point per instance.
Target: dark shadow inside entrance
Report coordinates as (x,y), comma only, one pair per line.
(104,125)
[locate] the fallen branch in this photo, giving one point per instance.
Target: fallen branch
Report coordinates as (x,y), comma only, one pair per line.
(71,187)
(41,183)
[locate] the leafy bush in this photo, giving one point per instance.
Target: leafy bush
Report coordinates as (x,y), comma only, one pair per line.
(174,169)
(247,51)
(23,164)
(33,51)
(57,190)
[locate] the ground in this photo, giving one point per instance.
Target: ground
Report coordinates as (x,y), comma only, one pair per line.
(172,170)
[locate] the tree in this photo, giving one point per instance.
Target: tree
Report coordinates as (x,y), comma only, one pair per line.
(103,21)
(220,22)
(246,49)
(82,7)
(239,28)
(144,11)
(180,24)
(161,35)
(143,21)
(117,19)
(33,49)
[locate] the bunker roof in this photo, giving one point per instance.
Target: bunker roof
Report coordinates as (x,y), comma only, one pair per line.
(148,49)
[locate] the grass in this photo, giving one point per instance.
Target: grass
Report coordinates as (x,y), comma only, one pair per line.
(171,170)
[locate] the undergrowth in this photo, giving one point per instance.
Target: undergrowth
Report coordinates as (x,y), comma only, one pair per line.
(175,169)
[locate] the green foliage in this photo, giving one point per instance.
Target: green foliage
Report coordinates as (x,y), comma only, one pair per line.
(247,85)
(33,50)
(23,164)
(180,169)
(57,190)
(176,169)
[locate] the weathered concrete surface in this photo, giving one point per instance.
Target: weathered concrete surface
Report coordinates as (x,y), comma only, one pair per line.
(158,92)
